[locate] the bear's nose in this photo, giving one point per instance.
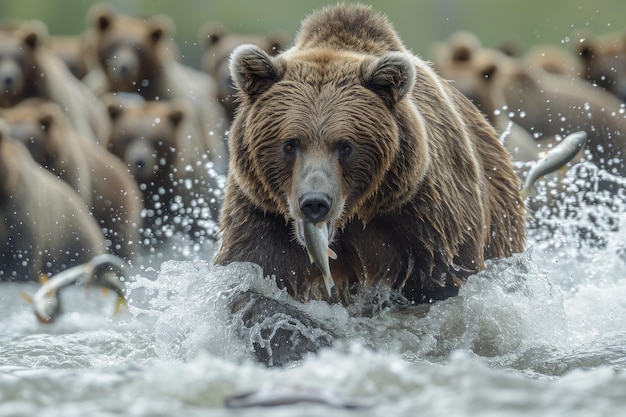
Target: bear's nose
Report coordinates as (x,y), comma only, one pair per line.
(8,81)
(315,206)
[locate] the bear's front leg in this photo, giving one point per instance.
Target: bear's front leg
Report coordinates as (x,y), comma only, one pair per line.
(278,333)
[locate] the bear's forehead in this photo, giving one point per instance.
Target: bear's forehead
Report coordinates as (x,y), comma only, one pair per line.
(26,114)
(129,29)
(323,66)
(10,46)
(147,111)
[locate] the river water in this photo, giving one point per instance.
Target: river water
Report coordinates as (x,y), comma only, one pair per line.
(542,333)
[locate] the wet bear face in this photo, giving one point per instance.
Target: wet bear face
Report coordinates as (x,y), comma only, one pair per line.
(604,62)
(317,133)
(17,62)
(145,138)
(127,48)
(38,125)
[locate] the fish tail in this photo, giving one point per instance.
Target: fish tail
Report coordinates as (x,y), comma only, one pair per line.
(328,281)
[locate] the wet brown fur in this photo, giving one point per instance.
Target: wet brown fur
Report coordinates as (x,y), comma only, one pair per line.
(99,177)
(42,74)
(602,60)
(138,56)
(429,192)
(45,227)
(169,150)
(544,104)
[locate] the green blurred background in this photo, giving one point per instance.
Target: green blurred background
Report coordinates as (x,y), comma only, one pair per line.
(420,23)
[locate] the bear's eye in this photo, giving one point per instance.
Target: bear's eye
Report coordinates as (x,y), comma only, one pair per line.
(489,72)
(290,146)
(345,149)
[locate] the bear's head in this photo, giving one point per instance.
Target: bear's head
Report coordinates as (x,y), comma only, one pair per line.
(481,75)
(145,135)
(128,49)
(19,45)
(603,60)
(458,49)
(469,66)
(325,136)
(42,127)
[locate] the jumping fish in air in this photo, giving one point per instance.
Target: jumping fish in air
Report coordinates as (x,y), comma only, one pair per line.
(554,159)
(98,271)
(316,241)
(279,396)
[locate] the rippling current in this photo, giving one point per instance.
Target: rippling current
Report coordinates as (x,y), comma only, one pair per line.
(540,333)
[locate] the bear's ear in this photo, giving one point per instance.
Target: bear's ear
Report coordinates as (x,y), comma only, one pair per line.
(254,71)
(31,39)
(115,110)
(161,26)
(46,120)
(489,72)
(179,109)
(585,42)
(34,33)
(585,51)
(461,53)
(391,76)
(101,16)
(277,41)
(212,33)
(176,116)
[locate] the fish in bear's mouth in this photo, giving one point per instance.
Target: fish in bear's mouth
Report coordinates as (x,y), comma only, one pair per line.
(316,238)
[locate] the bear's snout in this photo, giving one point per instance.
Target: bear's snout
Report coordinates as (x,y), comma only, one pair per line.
(10,77)
(315,206)
(123,66)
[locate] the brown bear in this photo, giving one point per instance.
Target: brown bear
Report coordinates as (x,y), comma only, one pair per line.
(45,227)
(603,60)
(350,132)
(135,55)
(157,141)
(544,104)
(99,177)
(459,59)
(219,44)
(29,69)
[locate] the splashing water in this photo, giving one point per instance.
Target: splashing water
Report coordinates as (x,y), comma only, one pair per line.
(541,332)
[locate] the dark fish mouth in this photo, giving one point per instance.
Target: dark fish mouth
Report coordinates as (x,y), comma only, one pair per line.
(300,231)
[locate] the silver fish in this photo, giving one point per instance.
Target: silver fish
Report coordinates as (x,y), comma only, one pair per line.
(554,159)
(278,396)
(98,271)
(316,241)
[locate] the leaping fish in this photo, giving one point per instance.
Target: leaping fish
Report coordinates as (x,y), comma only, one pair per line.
(98,271)
(316,241)
(554,159)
